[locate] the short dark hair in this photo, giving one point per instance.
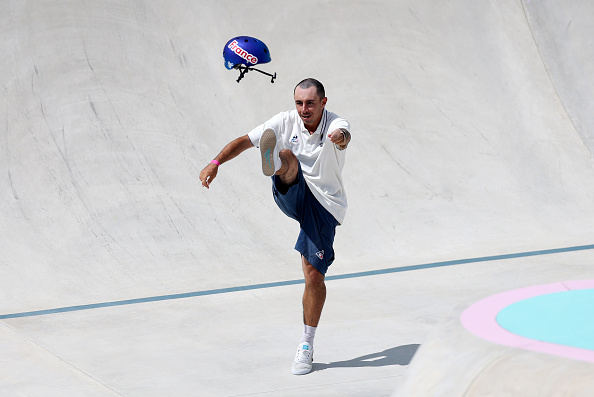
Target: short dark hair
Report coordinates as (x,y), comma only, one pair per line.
(309,82)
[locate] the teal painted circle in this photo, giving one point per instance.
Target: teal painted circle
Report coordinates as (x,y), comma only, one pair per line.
(563,318)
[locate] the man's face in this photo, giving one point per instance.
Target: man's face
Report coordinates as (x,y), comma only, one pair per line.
(309,106)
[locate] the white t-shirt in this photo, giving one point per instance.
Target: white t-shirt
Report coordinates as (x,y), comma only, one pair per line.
(321,160)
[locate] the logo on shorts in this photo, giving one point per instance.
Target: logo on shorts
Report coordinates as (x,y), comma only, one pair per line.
(320,254)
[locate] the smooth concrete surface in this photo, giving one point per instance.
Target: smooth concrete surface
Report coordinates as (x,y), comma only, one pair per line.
(470,140)
(478,367)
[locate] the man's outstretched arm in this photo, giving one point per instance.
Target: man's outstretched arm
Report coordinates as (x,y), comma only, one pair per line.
(232,150)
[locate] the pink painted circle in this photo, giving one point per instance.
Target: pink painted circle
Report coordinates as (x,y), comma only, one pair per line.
(481,320)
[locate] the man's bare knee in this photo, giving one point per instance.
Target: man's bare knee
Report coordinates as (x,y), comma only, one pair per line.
(287,157)
(312,275)
(289,167)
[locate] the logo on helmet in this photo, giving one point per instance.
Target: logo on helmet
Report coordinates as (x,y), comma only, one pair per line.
(234,46)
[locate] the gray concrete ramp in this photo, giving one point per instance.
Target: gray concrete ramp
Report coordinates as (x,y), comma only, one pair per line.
(562,38)
(470,173)
(453,362)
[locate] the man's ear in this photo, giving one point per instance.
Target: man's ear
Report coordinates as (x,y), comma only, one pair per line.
(324,100)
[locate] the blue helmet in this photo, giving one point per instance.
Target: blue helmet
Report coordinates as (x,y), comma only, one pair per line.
(245,50)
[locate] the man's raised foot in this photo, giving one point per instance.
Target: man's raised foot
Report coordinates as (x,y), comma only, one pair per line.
(269,153)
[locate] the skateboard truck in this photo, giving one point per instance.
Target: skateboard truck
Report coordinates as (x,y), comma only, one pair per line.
(243,69)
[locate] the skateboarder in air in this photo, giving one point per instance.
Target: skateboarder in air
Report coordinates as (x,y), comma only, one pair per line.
(303,150)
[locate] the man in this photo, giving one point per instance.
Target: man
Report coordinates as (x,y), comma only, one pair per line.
(303,151)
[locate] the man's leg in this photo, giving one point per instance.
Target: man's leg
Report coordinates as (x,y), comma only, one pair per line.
(314,295)
(292,196)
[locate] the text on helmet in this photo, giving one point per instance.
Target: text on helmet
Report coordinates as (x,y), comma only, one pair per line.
(234,46)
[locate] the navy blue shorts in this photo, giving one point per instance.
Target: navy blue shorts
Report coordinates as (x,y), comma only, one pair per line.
(318,226)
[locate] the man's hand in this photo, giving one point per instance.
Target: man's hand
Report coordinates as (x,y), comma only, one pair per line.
(208,174)
(340,137)
(232,150)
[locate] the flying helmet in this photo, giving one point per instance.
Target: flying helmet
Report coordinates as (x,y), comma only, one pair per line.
(243,53)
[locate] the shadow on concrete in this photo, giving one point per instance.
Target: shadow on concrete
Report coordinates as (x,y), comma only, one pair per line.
(401,355)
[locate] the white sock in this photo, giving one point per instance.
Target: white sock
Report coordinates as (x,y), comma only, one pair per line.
(309,334)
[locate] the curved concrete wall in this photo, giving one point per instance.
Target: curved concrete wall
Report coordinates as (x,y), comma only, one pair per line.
(110,110)
(562,33)
(471,137)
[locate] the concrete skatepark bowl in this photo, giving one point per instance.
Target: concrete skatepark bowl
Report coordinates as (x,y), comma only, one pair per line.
(470,174)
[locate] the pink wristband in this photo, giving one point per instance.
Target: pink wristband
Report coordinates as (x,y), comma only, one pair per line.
(215,162)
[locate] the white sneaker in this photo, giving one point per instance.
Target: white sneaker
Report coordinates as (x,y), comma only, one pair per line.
(303,360)
(269,153)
